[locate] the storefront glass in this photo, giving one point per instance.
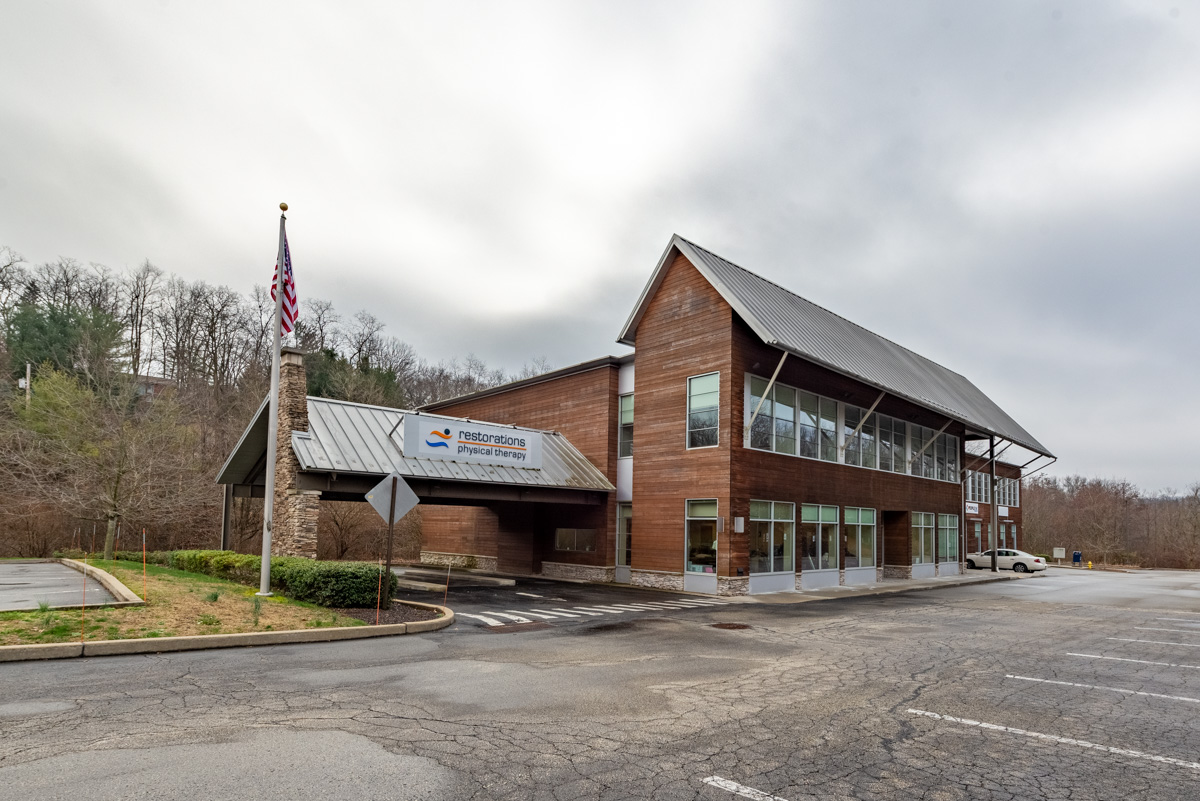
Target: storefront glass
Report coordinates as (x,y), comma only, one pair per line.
(702,536)
(772,537)
(859,550)
(818,537)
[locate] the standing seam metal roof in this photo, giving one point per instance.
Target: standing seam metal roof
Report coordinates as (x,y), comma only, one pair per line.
(785,320)
(348,437)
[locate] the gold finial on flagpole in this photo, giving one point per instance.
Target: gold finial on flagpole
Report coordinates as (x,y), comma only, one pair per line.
(283,207)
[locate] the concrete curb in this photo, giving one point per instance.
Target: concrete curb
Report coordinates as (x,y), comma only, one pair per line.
(810,596)
(124,595)
(157,645)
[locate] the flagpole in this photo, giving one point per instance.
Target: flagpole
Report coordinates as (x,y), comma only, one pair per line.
(264,581)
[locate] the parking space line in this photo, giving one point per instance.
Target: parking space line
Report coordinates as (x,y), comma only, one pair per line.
(487,621)
(1156,642)
(1139,661)
(513,618)
(1178,620)
(1112,689)
(612,610)
(740,789)
(1054,738)
(582,611)
(1177,631)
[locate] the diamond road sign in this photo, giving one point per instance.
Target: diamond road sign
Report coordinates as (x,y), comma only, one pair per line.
(380,498)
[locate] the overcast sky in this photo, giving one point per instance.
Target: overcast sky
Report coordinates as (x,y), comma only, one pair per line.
(1011,189)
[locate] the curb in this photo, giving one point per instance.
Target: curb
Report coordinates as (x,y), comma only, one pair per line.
(158,645)
(124,595)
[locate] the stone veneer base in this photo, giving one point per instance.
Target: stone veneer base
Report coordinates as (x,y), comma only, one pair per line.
(562,570)
(656,580)
(465,561)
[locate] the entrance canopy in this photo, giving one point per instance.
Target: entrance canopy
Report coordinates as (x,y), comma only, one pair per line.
(450,460)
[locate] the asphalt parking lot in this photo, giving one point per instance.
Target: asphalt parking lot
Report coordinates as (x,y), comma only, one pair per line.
(1072,685)
(24,584)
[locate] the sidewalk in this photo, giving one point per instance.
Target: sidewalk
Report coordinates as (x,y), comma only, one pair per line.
(888,587)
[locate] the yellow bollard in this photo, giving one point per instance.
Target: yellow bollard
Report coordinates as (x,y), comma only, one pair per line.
(1089,565)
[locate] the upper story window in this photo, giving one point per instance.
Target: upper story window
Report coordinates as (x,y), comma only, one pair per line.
(774,428)
(860,446)
(979,487)
(704,393)
(1008,492)
(625,427)
(800,423)
(893,444)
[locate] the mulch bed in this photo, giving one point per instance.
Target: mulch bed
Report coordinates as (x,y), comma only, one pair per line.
(399,613)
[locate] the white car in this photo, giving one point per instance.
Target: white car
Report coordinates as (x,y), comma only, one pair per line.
(1007,558)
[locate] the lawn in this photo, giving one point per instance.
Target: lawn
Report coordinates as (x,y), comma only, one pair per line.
(179,604)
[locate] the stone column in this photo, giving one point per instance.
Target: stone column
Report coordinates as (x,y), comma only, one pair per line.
(296,510)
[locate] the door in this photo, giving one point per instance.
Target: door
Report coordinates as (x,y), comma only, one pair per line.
(624,556)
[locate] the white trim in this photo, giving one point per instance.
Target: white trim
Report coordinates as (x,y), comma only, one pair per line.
(687,411)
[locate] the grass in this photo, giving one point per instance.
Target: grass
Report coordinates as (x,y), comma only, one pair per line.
(179,604)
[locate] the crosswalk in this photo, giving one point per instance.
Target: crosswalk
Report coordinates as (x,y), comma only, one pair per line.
(509,616)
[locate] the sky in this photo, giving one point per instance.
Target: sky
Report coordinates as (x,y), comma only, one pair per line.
(1010,189)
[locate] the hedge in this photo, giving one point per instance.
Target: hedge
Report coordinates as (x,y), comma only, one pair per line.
(334,584)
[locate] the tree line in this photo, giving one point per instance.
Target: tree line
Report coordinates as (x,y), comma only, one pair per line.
(143,381)
(1112,521)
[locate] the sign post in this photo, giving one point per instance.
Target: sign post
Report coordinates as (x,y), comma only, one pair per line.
(392,498)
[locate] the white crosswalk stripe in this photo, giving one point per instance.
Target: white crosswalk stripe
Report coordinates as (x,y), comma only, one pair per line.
(488,617)
(534,614)
(581,611)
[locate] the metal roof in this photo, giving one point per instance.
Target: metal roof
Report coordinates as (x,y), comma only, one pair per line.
(354,438)
(787,321)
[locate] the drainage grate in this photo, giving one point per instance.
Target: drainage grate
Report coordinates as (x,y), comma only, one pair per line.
(515,627)
(731,626)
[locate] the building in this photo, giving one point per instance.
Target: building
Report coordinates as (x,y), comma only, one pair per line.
(757,443)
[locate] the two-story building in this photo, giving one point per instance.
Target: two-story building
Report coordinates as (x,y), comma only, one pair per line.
(757,443)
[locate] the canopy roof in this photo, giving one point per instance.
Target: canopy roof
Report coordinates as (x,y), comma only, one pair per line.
(787,321)
(358,439)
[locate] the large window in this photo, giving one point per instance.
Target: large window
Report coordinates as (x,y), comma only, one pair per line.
(703,405)
(1008,492)
(625,427)
(574,539)
(772,535)
(818,537)
(624,534)
(774,427)
(979,487)
(938,458)
(860,447)
(702,536)
(947,544)
(859,550)
(893,444)
(922,538)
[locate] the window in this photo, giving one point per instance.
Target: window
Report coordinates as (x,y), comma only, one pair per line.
(625,427)
(893,444)
(922,457)
(702,536)
(703,402)
(859,544)
(774,427)
(772,536)
(922,538)
(624,534)
(947,544)
(818,537)
(946,455)
(860,447)
(1008,492)
(978,536)
(574,539)
(979,487)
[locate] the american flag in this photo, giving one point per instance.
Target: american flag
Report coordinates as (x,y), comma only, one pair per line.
(290,311)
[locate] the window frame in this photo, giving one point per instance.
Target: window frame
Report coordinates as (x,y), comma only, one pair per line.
(772,521)
(687,423)
(574,540)
(945,538)
(622,425)
(687,521)
(858,526)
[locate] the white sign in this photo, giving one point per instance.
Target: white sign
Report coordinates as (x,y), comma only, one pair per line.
(480,443)
(1002,511)
(972,508)
(380,498)
(1060,553)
